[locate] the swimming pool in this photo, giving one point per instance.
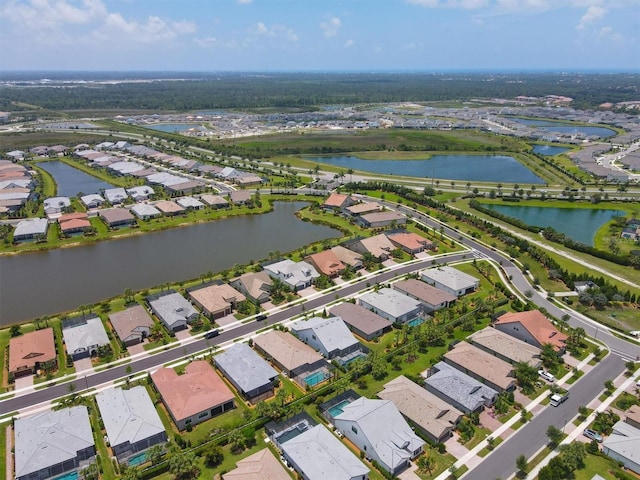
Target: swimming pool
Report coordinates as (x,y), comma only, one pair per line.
(415,322)
(68,476)
(338,408)
(316,378)
(138,459)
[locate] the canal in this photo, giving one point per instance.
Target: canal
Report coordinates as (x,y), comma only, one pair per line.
(46,283)
(71,181)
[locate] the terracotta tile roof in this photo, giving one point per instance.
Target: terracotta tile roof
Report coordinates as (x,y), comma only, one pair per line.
(72,216)
(261,465)
(195,391)
(410,240)
(168,206)
(327,262)
(538,326)
(286,349)
(217,298)
(25,350)
(335,200)
(74,224)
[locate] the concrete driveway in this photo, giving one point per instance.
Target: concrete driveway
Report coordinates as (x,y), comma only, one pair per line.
(24,382)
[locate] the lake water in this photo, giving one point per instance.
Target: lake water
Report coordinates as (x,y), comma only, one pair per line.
(174,127)
(549,150)
(549,126)
(480,168)
(71,181)
(37,284)
(580,224)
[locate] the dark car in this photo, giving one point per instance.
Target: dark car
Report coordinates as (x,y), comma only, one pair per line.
(259,318)
(212,333)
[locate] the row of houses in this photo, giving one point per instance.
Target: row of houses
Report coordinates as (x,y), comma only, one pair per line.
(366,214)
(16,186)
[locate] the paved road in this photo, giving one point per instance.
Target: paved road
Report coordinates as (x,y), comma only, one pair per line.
(531,437)
(114,373)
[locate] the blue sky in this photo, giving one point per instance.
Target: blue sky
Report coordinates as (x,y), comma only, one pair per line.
(320,35)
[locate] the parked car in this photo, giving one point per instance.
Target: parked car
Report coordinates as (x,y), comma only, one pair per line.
(212,333)
(592,434)
(635,333)
(546,375)
(260,318)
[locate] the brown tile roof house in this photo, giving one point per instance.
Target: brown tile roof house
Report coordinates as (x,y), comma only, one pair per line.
(214,200)
(288,353)
(632,416)
(338,201)
(435,417)
(431,297)
(262,465)
(411,242)
(240,196)
(216,300)
(348,257)
(481,365)
(504,346)
(362,208)
(532,327)
(74,222)
(195,396)
(360,320)
(255,285)
(379,246)
(132,325)
(30,351)
(168,207)
(117,216)
(327,263)
(184,187)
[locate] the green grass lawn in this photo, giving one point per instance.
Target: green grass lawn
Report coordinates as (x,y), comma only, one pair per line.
(3,449)
(485,451)
(442,463)
(597,464)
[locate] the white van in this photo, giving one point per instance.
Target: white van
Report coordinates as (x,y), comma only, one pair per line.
(557,399)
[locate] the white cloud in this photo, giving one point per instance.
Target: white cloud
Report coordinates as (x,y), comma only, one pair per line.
(154,29)
(425,3)
(464,4)
(38,14)
(349,43)
(206,42)
(607,33)
(275,31)
(593,14)
(331,27)
(244,2)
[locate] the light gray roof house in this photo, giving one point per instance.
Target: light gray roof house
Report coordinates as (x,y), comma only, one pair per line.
(459,389)
(623,445)
(505,347)
(30,228)
(378,429)
(249,373)
(115,195)
(392,305)
(93,200)
(172,309)
(318,455)
(361,320)
(329,336)
(56,204)
(296,275)
(144,211)
(52,443)
(140,193)
(450,280)
(130,419)
(82,337)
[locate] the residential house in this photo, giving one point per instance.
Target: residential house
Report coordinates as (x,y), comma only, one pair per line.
(145,211)
(431,298)
(116,217)
(296,275)
(434,417)
(115,196)
(584,286)
(141,193)
(329,336)
(378,429)
(532,327)
(55,205)
(105,146)
(172,309)
(382,219)
(84,336)
(195,396)
(314,452)
(132,325)
(71,223)
(216,300)
(338,202)
(215,201)
(410,242)
(632,416)
(262,465)
(169,207)
(505,347)
(483,366)
(327,263)
(31,352)
(361,321)
(53,444)
(190,203)
(184,188)
(363,208)
(623,445)
(289,354)
(458,389)
(450,280)
(31,228)
(254,285)
(15,155)
(130,420)
(92,200)
(348,257)
(239,197)
(392,305)
(379,246)
(247,371)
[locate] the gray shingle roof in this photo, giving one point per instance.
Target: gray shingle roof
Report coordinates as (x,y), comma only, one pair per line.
(247,369)
(459,387)
(332,332)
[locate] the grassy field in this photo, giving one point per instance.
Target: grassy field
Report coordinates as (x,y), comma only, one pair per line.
(26,140)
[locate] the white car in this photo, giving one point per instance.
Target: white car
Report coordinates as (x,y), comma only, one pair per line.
(635,333)
(546,375)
